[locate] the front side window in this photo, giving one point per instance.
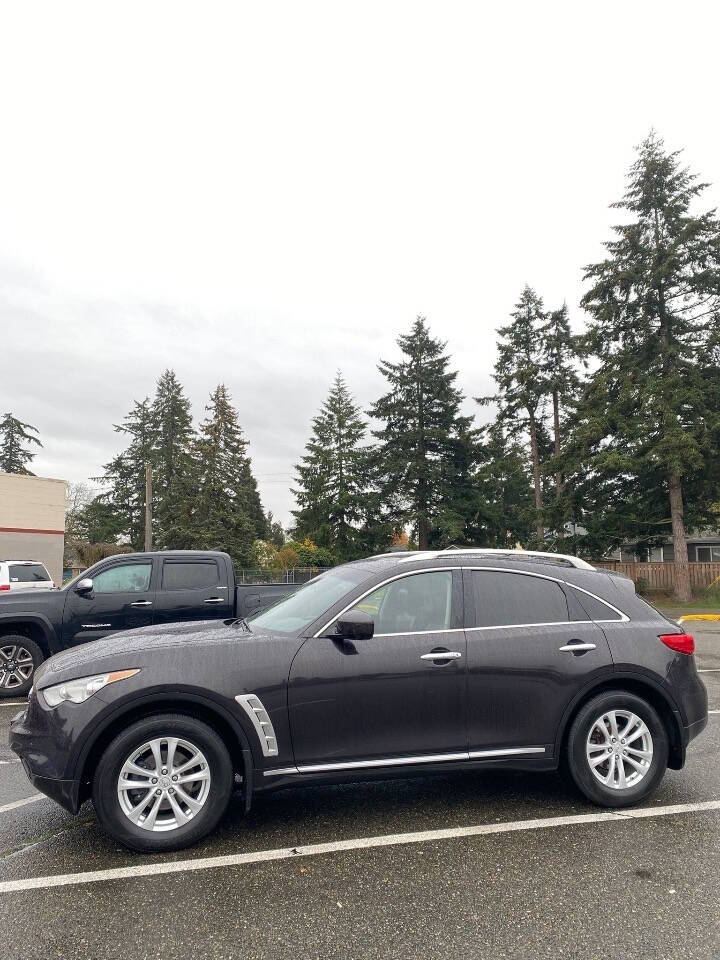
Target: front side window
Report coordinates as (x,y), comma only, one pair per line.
(504,599)
(125,578)
(422,602)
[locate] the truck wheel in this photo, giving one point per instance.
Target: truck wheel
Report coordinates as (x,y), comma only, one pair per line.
(19,659)
(163,783)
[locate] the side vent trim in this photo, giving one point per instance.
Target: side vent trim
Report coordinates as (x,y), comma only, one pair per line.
(259,718)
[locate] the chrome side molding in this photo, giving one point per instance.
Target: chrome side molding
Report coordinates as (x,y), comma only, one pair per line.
(403,761)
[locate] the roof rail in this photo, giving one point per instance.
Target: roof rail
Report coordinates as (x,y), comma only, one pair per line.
(508,554)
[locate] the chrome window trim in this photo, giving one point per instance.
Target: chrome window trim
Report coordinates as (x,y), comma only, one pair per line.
(508,626)
(260,719)
(403,761)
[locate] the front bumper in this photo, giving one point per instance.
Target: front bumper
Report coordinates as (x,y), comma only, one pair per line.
(43,744)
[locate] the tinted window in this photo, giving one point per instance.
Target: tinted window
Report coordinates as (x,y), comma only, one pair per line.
(411,604)
(126,578)
(505,599)
(189,576)
(595,609)
(27,573)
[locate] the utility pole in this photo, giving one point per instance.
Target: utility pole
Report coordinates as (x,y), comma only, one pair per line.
(148,507)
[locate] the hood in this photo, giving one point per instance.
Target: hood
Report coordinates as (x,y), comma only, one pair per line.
(29,599)
(112,653)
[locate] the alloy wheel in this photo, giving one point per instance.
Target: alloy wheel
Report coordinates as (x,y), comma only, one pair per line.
(163,784)
(619,749)
(16,666)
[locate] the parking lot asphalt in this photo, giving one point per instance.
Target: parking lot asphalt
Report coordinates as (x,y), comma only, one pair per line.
(578,884)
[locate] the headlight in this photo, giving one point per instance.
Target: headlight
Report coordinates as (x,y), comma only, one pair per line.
(78,691)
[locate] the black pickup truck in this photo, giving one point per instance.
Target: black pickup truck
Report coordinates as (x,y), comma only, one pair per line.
(119,593)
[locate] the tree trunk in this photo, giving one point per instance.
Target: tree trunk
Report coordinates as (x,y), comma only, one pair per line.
(683,591)
(558,473)
(536,476)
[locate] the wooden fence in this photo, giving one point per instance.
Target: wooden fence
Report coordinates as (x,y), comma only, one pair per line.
(661,576)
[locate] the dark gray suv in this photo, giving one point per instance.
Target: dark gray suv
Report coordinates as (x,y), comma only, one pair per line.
(395,665)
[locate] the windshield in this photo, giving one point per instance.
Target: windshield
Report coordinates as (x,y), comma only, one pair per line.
(309,602)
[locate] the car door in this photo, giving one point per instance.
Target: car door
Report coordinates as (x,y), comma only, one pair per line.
(394,697)
(192,589)
(529,653)
(121,599)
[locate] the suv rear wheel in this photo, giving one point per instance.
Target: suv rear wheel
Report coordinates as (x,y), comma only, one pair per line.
(163,784)
(617,749)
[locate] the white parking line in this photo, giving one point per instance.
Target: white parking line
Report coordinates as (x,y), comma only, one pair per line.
(709,670)
(340,846)
(13,703)
(3,762)
(21,803)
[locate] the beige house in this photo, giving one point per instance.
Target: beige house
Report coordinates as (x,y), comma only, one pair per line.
(32,520)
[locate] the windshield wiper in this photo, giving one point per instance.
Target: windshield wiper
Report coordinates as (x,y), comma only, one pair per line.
(242,622)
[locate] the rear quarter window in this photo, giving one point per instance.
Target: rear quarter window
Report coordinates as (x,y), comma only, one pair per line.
(594,608)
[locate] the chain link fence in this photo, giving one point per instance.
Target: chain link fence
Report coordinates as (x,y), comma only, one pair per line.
(260,575)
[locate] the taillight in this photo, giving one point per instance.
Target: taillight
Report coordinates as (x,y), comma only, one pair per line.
(4,586)
(682,642)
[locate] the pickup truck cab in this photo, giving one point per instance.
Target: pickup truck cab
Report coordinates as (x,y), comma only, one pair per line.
(121,593)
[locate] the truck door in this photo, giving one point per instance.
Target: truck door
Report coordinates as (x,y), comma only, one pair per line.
(121,598)
(193,589)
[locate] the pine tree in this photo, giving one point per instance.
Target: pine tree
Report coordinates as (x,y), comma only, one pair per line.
(16,439)
(332,476)
(174,470)
(119,511)
(651,407)
(519,375)
(506,512)
(421,427)
(563,384)
(227,509)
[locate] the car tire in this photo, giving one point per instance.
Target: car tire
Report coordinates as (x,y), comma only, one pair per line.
(19,653)
(617,771)
(115,800)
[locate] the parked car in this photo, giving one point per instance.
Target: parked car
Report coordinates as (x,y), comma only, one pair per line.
(117,594)
(400,664)
(24,575)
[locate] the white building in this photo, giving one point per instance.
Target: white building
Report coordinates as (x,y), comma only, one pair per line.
(32,520)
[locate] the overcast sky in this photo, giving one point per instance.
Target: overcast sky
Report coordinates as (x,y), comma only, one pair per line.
(262,193)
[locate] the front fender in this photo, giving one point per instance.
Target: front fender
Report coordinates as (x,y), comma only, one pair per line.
(49,639)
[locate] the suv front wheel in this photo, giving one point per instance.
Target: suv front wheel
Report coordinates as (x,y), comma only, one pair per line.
(617,749)
(163,784)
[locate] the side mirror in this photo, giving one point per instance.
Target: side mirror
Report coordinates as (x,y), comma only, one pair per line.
(355,625)
(84,586)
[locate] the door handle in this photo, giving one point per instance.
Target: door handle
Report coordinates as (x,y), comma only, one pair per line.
(577,647)
(215,600)
(141,603)
(441,655)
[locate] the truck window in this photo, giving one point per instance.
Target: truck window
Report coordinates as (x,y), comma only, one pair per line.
(189,574)
(125,578)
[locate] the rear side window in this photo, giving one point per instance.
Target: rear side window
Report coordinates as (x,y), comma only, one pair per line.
(125,578)
(189,575)
(509,599)
(27,573)
(594,608)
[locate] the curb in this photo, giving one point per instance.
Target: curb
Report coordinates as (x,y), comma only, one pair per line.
(699,616)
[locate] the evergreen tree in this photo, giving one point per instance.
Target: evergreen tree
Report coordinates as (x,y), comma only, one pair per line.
(506,512)
(419,437)
(16,439)
(651,410)
(519,375)
(174,470)
(563,384)
(332,476)
(118,513)
(227,509)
